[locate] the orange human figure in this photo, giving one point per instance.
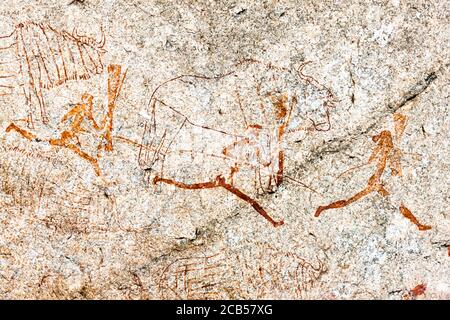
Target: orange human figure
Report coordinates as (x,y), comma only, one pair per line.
(83,112)
(77,115)
(384,153)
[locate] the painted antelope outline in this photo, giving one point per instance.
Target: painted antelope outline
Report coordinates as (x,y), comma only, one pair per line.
(284,271)
(193,278)
(47,58)
(255,146)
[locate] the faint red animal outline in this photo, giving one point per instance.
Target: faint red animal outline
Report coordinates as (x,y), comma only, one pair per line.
(48,58)
(282,270)
(275,165)
(193,278)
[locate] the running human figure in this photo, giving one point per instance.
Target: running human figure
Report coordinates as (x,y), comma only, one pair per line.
(82,113)
(384,153)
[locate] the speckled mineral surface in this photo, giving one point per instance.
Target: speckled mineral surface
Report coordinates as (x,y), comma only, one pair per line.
(224,149)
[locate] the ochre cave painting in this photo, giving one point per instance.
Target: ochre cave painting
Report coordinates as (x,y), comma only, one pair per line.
(257,144)
(384,154)
(267,271)
(249,161)
(415,292)
(38,57)
(82,113)
(194,278)
(271,270)
(47,58)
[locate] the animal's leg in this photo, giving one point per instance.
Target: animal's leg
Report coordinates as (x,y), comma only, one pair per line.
(408,215)
(233,171)
(279,178)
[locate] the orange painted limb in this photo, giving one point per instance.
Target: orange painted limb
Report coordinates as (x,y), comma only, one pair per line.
(62,143)
(89,106)
(279,178)
(115,81)
(408,214)
(343,203)
(399,125)
(381,151)
(395,162)
(220,182)
(384,152)
(22,132)
(77,113)
(374,184)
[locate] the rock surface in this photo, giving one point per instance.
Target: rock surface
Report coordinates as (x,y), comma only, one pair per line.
(157,189)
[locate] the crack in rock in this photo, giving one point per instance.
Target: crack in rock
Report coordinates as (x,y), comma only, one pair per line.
(340,144)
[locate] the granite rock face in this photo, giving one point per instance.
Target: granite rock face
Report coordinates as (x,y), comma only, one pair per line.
(182,149)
